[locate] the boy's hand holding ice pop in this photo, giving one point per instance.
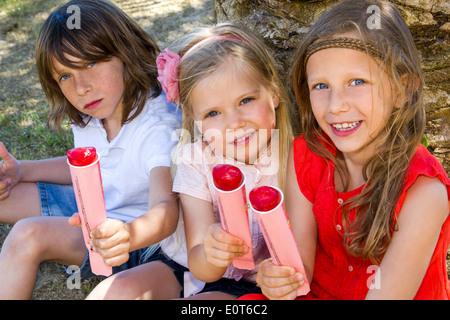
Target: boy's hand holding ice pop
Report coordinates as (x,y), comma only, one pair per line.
(111,240)
(87,184)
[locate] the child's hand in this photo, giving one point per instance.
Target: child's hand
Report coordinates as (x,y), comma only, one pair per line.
(221,247)
(75,220)
(278,282)
(112,241)
(9,172)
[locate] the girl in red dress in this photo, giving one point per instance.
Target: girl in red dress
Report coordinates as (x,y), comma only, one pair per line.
(367,202)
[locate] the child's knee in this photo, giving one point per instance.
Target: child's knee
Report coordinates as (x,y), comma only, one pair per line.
(25,239)
(105,290)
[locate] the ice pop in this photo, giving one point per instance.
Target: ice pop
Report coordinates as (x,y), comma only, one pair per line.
(267,204)
(87,184)
(229,183)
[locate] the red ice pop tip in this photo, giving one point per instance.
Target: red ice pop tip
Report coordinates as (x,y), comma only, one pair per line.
(82,156)
(227,177)
(265,198)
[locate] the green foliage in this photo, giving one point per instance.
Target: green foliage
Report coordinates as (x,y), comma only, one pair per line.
(425,141)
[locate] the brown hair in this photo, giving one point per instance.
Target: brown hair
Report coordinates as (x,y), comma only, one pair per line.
(105,31)
(369,233)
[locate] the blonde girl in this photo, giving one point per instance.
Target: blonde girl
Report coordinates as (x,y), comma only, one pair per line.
(235,111)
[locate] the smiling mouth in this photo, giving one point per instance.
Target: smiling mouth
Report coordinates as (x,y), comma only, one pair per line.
(244,139)
(345,126)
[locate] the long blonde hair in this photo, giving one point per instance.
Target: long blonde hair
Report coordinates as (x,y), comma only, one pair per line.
(251,55)
(369,233)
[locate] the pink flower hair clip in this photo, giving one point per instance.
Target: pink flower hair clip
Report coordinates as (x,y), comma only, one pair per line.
(167,63)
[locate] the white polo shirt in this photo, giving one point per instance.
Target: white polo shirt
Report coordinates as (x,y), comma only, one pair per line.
(125,163)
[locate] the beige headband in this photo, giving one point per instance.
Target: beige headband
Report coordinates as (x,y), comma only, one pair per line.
(349,43)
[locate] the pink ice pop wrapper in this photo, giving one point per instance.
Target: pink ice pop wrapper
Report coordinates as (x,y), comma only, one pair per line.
(267,204)
(229,183)
(87,184)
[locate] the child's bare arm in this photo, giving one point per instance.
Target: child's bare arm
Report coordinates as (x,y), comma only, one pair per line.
(407,258)
(210,248)
(13,171)
(115,239)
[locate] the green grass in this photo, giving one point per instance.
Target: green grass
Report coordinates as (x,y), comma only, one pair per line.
(23,107)
(27,136)
(9,5)
(25,8)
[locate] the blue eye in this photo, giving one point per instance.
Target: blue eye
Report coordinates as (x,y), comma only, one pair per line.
(246,100)
(64,77)
(321,86)
(91,64)
(211,114)
(357,82)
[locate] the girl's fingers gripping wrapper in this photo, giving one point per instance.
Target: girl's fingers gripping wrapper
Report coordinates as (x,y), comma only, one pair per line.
(267,204)
(87,184)
(229,183)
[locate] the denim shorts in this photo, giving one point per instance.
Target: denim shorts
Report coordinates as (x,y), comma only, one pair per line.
(59,201)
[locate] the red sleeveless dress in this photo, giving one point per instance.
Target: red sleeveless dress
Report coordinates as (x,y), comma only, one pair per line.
(337,274)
